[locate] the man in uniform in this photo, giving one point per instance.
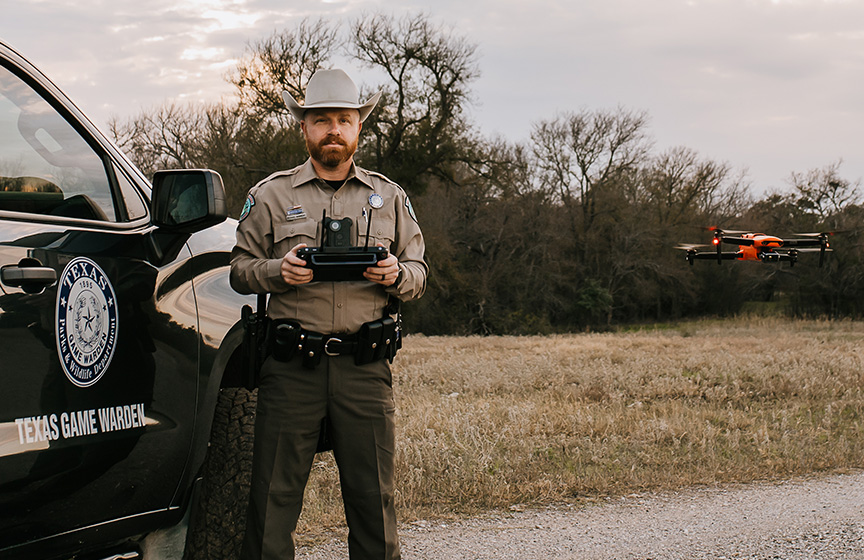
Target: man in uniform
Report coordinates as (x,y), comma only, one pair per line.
(323,384)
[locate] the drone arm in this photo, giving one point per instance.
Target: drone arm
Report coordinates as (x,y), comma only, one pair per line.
(802,242)
(726,256)
(737,240)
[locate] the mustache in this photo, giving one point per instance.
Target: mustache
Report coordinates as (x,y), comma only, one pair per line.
(332,140)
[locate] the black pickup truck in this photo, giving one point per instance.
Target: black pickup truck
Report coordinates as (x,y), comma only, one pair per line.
(119,337)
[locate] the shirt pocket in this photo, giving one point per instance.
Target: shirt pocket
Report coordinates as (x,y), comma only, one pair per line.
(286,236)
(383,231)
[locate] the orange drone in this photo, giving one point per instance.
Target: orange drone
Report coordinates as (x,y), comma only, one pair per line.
(760,247)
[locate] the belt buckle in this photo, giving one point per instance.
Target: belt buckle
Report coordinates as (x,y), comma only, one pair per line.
(326,344)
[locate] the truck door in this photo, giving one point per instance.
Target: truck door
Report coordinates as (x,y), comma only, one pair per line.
(98,380)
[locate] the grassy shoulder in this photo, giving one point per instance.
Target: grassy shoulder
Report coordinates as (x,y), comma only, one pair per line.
(492,422)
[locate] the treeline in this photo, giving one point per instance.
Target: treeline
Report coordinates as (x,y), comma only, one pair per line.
(575,228)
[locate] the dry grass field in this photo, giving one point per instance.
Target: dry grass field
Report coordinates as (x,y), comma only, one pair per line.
(502,422)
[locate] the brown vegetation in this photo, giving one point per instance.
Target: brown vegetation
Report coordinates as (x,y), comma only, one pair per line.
(572,228)
(495,422)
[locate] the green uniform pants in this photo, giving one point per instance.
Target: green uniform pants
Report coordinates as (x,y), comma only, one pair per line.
(292,402)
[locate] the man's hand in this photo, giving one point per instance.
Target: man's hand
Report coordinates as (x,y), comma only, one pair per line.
(385,272)
(293,268)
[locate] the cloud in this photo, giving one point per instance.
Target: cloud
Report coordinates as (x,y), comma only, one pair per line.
(773,85)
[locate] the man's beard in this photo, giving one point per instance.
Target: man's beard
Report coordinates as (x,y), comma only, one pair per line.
(331,157)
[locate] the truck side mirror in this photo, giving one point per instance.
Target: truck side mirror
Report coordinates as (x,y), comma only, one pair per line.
(188,200)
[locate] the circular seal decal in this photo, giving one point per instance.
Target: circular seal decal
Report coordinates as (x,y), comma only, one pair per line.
(86,321)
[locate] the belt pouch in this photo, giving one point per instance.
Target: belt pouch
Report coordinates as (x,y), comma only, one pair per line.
(368,342)
(312,347)
(387,348)
(285,340)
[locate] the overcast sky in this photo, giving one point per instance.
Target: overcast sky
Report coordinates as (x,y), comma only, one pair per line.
(770,86)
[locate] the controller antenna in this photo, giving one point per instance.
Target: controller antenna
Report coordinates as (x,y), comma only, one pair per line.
(324,229)
(368,227)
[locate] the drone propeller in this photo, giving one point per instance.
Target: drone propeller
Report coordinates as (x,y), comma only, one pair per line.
(722,231)
(822,238)
(821,233)
(824,246)
(692,250)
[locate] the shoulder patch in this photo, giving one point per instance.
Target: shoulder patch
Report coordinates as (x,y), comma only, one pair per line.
(247,206)
(410,209)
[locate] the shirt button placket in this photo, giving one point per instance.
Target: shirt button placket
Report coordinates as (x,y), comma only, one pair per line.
(336,206)
(339,311)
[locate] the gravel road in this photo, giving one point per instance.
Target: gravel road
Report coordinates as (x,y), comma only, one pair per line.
(819,518)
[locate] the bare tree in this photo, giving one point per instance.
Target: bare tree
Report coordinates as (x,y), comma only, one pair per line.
(284,61)
(243,147)
(166,137)
(572,230)
(680,187)
(579,155)
(418,126)
(823,192)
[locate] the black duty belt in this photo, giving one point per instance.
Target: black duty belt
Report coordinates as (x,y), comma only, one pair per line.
(338,344)
(376,340)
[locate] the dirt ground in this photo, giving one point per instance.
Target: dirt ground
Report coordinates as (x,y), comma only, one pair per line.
(815,518)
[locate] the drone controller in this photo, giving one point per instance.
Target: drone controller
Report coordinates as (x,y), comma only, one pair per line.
(336,260)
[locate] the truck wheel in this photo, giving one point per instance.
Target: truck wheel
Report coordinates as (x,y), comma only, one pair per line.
(218,519)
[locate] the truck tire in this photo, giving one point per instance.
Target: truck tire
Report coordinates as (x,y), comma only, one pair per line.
(218,518)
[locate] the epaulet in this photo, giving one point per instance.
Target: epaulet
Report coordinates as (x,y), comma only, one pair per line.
(383,178)
(276,175)
(253,192)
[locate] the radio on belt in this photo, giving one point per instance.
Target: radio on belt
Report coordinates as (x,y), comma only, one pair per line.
(336,260)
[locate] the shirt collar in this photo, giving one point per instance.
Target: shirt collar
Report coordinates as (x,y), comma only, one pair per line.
(307,173)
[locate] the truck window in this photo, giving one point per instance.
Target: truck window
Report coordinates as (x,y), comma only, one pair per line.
(46,166)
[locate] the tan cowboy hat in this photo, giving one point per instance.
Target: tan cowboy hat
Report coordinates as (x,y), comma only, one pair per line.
(330,89)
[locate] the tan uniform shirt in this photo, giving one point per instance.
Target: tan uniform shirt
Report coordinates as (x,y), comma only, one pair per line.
(286,209)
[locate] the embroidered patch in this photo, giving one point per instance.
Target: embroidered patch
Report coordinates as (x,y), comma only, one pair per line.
(410,209)
(247,206)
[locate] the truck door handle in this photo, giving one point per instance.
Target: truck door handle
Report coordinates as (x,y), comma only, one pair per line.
(29,275)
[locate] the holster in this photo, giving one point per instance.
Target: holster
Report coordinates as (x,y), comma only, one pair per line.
(289,340)
(286,338)
(256,343)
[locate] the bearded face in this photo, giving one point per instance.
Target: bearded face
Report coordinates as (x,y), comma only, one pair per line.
(331,135)
(332,151)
